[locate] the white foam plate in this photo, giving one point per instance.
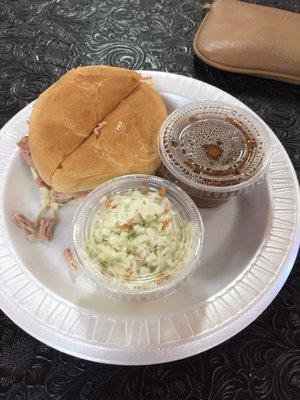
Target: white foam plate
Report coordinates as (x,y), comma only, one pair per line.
(250,247)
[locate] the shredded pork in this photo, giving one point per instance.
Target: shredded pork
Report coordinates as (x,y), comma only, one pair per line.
(25,150)
(42,229)
(28,227)
(98,128)
(45,228)
(62,198)
(69,258)
(39,182)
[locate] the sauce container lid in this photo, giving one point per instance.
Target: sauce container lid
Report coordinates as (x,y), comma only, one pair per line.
(187,232)
(215,149)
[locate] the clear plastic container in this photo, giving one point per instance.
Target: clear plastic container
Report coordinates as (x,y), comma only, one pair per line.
(214,151)
(150,285)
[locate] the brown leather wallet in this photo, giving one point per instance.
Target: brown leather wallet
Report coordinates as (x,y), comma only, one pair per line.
(240,37)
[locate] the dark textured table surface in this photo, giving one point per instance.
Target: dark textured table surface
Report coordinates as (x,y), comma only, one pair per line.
(39,41)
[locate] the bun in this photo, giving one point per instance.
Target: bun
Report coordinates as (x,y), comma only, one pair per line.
(67,113)
(127,144)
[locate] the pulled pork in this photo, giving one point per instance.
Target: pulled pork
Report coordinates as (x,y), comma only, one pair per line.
(56,197)
(25,150)
(98,128)
(39,181)
(42,229)
(45,228)
(69,258)
(28,227)
(63,198)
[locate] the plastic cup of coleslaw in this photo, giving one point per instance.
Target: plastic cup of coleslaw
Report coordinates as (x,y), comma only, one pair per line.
(137,237)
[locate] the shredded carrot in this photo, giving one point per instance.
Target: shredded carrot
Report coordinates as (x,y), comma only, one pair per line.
(144,190)
(162,191)
(108,203)
(165,223)
(160,278)
(128,226)
(128,273)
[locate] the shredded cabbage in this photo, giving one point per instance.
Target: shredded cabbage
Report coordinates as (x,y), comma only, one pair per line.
(134,235)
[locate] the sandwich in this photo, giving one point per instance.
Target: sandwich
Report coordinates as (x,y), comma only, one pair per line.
(94,124)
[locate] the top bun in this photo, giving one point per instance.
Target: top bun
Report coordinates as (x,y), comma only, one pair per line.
(67,113)
(126,144)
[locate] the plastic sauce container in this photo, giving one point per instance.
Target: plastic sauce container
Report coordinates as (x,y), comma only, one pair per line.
(214,151)
(137,237)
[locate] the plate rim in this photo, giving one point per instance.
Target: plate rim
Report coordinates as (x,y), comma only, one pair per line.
(165,352)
